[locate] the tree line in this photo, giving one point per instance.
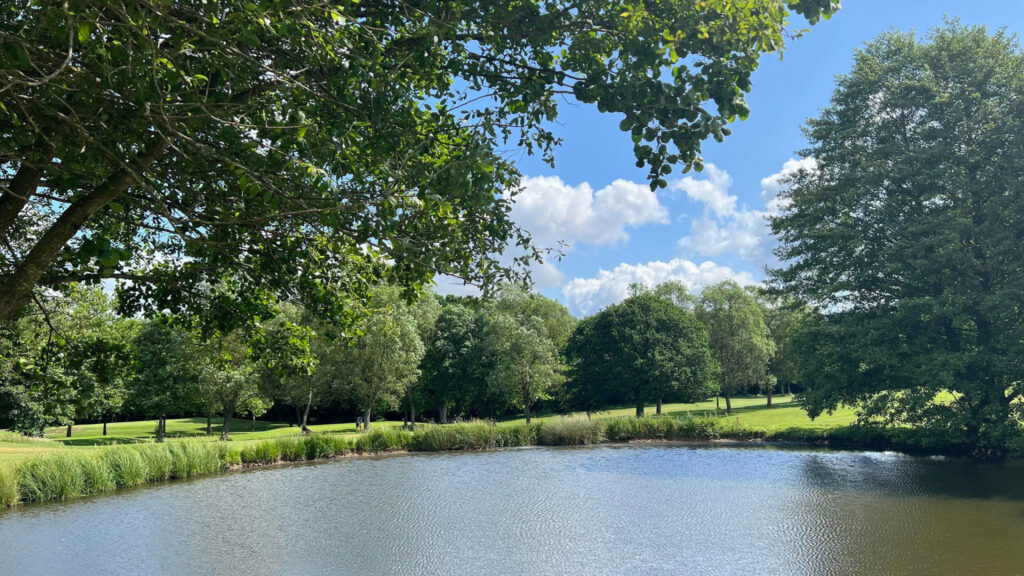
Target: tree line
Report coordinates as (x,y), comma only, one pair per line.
(449,357)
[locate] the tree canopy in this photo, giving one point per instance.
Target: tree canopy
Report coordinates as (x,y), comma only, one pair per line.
(908,235)
(308,149)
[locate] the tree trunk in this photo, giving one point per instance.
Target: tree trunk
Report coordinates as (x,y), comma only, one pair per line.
(225,433)
(209,422)
(366,418)
(412,409)
(69,431)
(770,396)
(639,409)
(659,406)
(305,414)
(442,413)
(718,402)
(160,429)
(17,287)
(104,426)
(728,404)
(527,412)
(253,421)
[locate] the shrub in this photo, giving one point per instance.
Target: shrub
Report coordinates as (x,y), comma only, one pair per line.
(571,432)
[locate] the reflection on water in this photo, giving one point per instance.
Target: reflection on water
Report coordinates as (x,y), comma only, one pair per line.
(606,510)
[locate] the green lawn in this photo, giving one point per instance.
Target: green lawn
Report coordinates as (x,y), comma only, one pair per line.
(749,412)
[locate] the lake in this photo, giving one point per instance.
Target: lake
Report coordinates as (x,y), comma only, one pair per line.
(647,509)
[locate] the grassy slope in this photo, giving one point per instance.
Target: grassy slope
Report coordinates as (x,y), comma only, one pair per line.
(749,413)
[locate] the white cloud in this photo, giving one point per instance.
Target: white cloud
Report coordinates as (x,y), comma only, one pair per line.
(588,295)
(724,228)
(553,211)
(713,191)
(772,185)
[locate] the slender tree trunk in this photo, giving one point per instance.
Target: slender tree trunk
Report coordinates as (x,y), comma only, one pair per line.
(18,286)
(160,429)
(639,409)
(209,422)
(253,421)
(305,413)
(104,426)
(366,418)
(527,412)
(659,406)
(728,404)
(442,413)
(412,409)
(770,395)
(718,402)
(69,431)
(225,433)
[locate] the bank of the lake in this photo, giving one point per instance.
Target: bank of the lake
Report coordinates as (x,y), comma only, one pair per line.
(76,471)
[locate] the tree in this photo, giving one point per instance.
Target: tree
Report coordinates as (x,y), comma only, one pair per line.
(645,348)
(166,372)
(384,357)
(449,370)
(321,147)
(527,364)
(738,338)
(907,236)
(232,375)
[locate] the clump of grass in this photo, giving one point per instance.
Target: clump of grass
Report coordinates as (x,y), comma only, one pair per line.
(384,440)
(51,478)
(571,432)
(126,465)
(266,452)
(292,449)
(195,458)
(317,447)
(97,475)
(339,445)
(15,437)
(158,462)
(231,456)
(10,494)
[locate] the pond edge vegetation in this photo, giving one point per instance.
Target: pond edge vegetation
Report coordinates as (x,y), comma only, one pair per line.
(62,476)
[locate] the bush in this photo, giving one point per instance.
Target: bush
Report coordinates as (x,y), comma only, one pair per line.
(571,432)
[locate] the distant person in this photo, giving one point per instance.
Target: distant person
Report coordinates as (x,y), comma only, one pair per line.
(359,423)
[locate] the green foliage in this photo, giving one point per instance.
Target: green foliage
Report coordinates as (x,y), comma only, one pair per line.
(645,348)
(266,452)
(48,478)
(738,337)
(127,466)
(293,152)
(907,236)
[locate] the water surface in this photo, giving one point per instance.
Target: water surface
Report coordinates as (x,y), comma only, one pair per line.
(604,510)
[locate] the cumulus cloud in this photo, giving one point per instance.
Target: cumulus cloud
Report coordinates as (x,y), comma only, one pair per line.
(724,228)
(712,191)
(772,185)
(552,210)
(588,295)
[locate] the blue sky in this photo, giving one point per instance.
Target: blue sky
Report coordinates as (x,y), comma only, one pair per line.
(709,226)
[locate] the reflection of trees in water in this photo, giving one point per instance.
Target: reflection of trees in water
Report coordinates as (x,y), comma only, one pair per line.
(887,514)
